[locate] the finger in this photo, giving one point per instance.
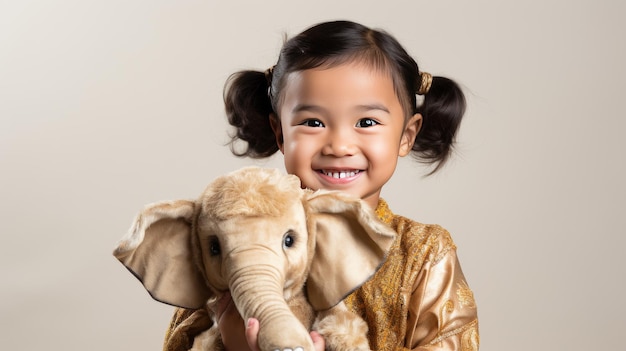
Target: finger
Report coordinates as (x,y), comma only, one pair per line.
(252,333)
(229,316)
(231,327)
(318,341)
(224,302)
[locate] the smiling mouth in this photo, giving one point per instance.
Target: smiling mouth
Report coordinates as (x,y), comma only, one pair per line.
(340,174)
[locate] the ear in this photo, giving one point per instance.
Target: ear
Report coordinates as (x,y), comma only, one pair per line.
(351,243)
(158,251)
(278,131)
(411,129)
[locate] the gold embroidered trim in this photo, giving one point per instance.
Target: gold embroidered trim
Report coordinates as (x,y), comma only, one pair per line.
(448,307)
(462,329)
(465,295)
(441,252)
(383,212)
(470,340)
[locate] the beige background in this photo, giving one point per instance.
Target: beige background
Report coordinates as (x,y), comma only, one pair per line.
(108,105)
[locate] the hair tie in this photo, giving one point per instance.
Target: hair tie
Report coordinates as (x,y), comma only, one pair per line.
(426,79)
(268,75)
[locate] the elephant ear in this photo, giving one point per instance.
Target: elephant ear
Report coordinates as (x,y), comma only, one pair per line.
(350,245)
(158,251)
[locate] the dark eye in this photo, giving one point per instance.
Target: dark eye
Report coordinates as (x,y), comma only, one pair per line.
(315,123)
(214,246)
(366,122)
(289,239)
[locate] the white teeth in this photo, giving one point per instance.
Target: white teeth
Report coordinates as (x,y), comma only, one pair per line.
(340,175)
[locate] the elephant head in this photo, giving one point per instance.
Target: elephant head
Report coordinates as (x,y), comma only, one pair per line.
(258,234)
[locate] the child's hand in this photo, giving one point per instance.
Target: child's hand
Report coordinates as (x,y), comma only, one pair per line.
(231,326)
(252,333)
(318,341)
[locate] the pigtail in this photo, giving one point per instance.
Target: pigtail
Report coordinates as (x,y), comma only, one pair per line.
(248,109)
(442,110)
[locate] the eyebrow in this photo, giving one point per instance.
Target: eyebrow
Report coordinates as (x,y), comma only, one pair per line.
(309,108)
(320,109)
(370,107)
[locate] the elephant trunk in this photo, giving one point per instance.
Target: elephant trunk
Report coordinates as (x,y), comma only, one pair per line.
(257,292)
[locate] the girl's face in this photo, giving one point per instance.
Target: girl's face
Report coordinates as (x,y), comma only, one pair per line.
(343,128)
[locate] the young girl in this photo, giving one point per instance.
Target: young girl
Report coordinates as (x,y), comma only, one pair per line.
(341,106)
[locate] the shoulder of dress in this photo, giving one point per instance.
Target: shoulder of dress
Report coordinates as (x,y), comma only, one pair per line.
(423,237)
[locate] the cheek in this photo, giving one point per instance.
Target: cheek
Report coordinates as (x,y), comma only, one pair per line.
(298,153)
(383,148)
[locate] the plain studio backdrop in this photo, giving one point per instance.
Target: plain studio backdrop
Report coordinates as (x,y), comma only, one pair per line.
(106,106)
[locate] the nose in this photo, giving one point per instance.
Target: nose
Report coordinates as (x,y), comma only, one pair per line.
(340,143)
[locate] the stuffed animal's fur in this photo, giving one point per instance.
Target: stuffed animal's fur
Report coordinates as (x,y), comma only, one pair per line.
(287,256)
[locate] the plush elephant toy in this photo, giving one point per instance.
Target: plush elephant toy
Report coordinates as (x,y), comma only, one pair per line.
(287,255)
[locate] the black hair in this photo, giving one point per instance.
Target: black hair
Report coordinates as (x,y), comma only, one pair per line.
(251,96)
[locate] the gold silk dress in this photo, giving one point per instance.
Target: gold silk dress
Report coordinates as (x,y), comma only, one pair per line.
(417,300)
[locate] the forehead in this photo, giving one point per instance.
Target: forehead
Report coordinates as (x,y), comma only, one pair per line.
(341,86)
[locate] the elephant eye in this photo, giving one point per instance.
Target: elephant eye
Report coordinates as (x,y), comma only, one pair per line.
(214,246)
(289,239)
